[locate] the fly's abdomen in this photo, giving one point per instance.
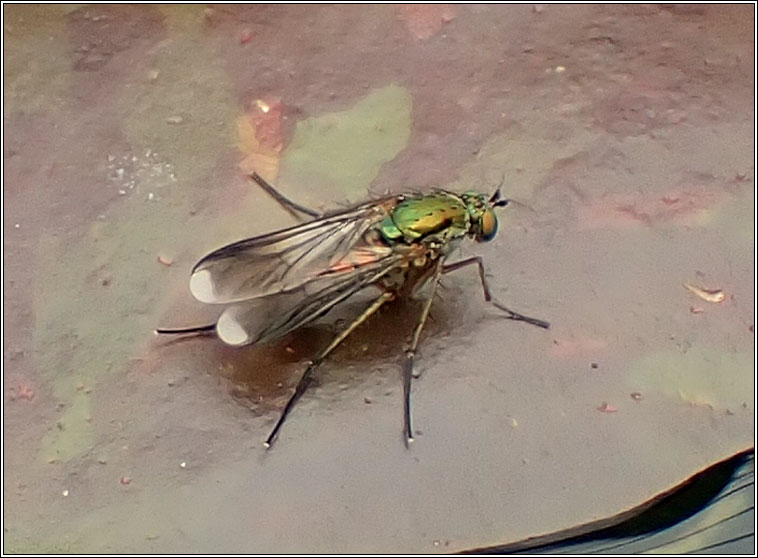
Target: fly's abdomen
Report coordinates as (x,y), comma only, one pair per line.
(441,215)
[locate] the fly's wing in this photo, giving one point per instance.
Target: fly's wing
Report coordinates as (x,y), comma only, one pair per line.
(286,260)
(269,318)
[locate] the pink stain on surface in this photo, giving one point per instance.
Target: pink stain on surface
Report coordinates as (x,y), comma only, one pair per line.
(579,345)
(425,20)
(687,206)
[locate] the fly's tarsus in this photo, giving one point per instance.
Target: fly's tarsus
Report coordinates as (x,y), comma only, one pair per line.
(512,315)
(185,330)
(293,207)
(302,385)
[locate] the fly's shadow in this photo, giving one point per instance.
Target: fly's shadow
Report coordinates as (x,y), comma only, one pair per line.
(261,376)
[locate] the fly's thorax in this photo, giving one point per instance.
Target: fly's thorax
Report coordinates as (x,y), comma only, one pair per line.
(439,217)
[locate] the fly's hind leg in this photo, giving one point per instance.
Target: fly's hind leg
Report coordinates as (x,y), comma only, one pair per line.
(294,208)
(411,353)
(510,314)
(302,385)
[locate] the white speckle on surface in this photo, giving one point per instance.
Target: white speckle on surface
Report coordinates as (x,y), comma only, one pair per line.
(65,493)
(183,464)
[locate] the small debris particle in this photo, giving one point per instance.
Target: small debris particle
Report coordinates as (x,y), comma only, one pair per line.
(102,461)
(709,295)
(696,310)
(246,37)
(151,196)
(165,260)
(559,69)
(25,392)
(208,16)
(669,200)
(594,365)
(513,422)
(289,350)
(367,400)
(171,383)
(436,543)
(111,158)
(606,408)
(105,281)
(537,9)
(636,395)
(152,75)
(125,480)
(65,493)
(174,119)
(183,464)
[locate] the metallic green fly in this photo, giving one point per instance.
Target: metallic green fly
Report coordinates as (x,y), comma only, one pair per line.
(277,282)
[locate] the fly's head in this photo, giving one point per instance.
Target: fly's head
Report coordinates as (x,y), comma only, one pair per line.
(482,211)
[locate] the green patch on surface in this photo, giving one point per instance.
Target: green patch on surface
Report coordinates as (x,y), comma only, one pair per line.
(184,113)
(339,154)
(735,218)
(705,377)
(36,56)
(97,297)
(523,158)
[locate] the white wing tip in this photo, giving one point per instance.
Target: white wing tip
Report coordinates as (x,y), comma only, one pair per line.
(230,332)
(201,286)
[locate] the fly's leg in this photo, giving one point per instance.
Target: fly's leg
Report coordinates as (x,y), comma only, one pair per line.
(511,315)
(411,353)
(185,330)
(302,385)
(294,208)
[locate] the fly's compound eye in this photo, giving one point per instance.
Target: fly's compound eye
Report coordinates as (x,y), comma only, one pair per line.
(488,226)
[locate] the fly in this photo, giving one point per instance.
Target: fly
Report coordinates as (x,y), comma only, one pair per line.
(277,282)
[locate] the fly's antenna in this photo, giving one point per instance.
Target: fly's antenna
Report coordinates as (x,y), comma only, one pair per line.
(497,200)
(520,204)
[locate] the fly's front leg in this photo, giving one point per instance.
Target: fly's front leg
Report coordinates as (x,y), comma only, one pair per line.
(294,208)
(411,353)
(511,315)
(302,385)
